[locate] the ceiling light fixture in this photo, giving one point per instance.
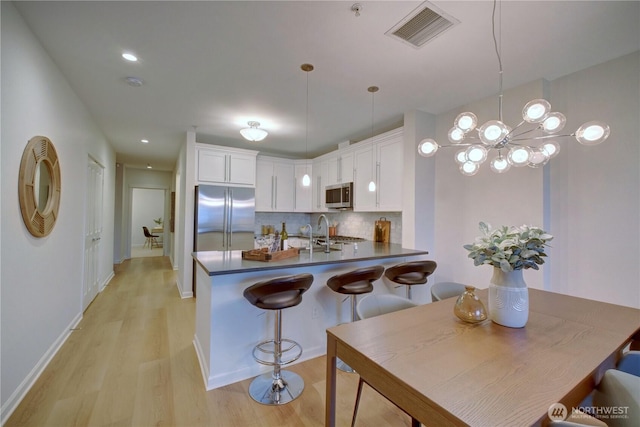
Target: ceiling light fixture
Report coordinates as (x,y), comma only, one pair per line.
(149,166)
(130,57)
(144,141)
(253,133)
(372,90)
(306,179)
(516,146)
(134,81)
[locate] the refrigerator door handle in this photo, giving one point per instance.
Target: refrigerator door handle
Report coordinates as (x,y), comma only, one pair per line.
(225,220)
(230,228)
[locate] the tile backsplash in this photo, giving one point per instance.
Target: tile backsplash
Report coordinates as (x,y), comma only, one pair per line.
(349,223)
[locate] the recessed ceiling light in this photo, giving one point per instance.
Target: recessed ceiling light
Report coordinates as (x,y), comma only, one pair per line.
(149,166)
(144,141)
(130,57)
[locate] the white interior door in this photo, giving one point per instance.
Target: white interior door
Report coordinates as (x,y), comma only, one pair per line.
(93,232)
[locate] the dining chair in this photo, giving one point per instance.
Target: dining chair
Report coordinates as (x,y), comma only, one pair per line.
(376,305)
(151,238)
(444,290)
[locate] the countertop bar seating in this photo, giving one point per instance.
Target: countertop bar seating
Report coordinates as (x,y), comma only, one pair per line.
(227,328)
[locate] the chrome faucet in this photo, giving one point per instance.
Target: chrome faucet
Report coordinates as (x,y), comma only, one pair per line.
(310,240)
(326,223)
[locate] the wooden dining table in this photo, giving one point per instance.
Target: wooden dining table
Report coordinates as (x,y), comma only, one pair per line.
(443,371)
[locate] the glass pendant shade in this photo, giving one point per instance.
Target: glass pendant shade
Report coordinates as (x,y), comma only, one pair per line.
(461,157)
(493,132)
(500,164)
(538,158)
(306,180)
(592,133)
(536,111)
(466,122)
(476,153)
(469,168)
(552,148)
(554,123)
(252,133)
(519,156)
(427,147)
(456,135)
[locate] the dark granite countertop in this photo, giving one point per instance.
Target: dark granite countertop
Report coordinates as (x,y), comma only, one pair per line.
(228,262)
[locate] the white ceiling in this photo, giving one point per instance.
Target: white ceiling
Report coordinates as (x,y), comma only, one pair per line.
(217,65)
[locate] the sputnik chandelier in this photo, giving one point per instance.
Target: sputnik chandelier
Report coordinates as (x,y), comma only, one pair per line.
(530,143)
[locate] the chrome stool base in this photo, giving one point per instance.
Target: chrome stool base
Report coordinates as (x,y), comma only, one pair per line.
(268,390)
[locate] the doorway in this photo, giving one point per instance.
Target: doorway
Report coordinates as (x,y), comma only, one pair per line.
(147,210)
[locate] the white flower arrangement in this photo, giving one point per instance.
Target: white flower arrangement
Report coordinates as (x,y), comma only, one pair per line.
(509,248)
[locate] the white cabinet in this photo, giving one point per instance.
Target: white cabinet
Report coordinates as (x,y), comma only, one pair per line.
(319,176)
(341,167)
(224,165)
(275,186)
(379,160)
(365,164)
(303,200)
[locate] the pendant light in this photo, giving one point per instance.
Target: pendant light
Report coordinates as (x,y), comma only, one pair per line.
(372,90)
(306,179)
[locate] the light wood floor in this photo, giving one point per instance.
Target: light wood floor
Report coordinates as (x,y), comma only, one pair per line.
(132,363)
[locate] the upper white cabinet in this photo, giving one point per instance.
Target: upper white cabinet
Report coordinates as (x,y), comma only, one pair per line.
(341,165)
(379,160)
(224,165)
(275,187)
(303,200)
(319,177)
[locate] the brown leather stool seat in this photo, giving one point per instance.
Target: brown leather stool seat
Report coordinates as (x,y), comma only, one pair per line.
(411,273)
(278,387)
(354,283)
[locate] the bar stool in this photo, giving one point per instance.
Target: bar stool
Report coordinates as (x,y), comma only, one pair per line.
(411,273)
(353,283)
(278,387)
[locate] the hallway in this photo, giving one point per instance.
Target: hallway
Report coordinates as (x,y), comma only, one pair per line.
(131,362)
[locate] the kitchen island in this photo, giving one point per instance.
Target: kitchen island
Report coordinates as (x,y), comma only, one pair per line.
(228,326)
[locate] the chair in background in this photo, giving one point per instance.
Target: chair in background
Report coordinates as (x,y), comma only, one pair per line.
(151,238)
(411,273)
(444,290)
(376,305)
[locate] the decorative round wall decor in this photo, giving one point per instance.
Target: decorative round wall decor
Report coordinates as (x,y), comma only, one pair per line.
(39,186)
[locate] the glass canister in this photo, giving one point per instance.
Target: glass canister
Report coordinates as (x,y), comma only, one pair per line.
(469,308)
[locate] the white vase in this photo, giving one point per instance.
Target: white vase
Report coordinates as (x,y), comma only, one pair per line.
(508,298)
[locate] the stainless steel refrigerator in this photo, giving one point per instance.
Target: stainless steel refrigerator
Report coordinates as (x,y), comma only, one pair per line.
(224,218)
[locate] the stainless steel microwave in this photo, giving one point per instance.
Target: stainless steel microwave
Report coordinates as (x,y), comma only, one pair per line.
(339,196)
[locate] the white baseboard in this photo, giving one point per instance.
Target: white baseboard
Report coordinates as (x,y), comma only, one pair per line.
(183,294)
(106,281)
(16,397)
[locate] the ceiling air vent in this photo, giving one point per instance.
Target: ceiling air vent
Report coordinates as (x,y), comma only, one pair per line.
(423,24)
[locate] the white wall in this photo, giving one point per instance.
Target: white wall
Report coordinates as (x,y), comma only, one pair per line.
(41,278)
(146,205)
(587,197)
(595,191)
